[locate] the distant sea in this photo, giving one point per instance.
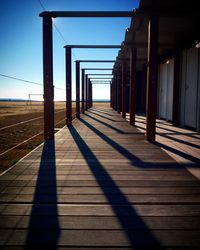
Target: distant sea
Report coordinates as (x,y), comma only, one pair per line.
(25,100)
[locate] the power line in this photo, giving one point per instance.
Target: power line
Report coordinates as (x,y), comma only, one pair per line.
(25,81)
(21,80)
(41,4)
(56,27)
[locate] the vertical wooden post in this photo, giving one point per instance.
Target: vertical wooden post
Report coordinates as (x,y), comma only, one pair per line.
(176,91)
(152,77)
(86,92)
(78,89)
(116,92)
(91,95)
(113,82)
(124,90)
(144,88)
(119,84)
(133,56)
(112,104)
(111,94)
(68,87)
(83,89)
(48,79)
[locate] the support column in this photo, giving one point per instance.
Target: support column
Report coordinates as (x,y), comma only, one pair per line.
(83,89)
(78,89)
(119,94)
(91,95)
(176,90)
(111,94)
(133,56)
(48,79)
(112,102)
(68,87)
(144,88)
(86,92)
(124,90)
(115,97)
(152,77)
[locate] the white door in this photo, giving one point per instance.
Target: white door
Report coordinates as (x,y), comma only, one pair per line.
(170,86)
(191,89)
(163,90)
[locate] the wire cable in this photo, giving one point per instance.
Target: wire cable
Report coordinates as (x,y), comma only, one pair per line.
(25,81)
(57,29)
(21,80)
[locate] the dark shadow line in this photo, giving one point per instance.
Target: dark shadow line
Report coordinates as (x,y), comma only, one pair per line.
(104,117)
(173,139)
(178,140)
(133,159)
(100,111)
(177,152)
(125,213)
(106,124)
(44,229)
(191,135)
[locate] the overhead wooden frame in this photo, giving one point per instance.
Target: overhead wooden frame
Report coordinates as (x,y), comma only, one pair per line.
(48,62)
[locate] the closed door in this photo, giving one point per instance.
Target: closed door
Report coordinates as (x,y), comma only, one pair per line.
(170,86)
(190,114)
(163,91)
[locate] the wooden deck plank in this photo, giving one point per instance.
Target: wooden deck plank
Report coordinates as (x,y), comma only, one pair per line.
(100,185)
(102,222)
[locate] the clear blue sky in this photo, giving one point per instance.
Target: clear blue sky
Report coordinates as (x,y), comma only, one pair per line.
(21,42)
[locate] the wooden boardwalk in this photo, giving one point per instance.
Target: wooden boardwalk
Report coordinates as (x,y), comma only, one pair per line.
(99,185)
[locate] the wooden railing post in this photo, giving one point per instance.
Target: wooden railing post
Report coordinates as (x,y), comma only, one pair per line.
(119,95)
(133,93)
(124,90)
(78,89)
(152,77)
(83,89)
(48,79)
(68,87)
(86,92)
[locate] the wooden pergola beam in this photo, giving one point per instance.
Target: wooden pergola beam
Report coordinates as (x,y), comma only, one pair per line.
(94,46)
(95,61)
(100,74)
(98,68)
(101,83)
(100,78)
(86,14)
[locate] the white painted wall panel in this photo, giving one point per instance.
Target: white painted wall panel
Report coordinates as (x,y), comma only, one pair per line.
(183,83)
(166,90)
(191,88)
(170,87)
(163,90)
